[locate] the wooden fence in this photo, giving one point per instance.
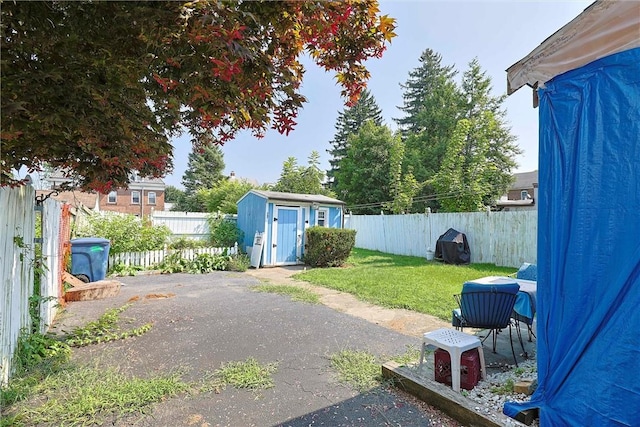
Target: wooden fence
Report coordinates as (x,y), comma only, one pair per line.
(18,242)
(501,238)
(150,259)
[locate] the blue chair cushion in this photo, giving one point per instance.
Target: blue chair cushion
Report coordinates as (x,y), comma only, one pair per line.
(508,286)
(528,272)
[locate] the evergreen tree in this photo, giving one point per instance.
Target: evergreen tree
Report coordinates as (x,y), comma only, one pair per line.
(204,170)
(432,106)
(349,122)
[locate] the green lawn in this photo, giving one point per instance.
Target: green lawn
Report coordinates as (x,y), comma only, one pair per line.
(401,281)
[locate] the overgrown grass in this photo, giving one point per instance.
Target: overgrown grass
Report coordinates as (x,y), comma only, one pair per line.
(356,368)
(411,356)
(296,293)
(249,374)
(362,370)
(50,390)
(89,396)
(398,281)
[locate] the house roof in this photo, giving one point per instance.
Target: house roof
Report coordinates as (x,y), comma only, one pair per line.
(296,197)
(525,180)
(76,199)
(602,29)
(58,176)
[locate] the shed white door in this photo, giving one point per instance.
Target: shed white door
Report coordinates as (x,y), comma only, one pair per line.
(287,235)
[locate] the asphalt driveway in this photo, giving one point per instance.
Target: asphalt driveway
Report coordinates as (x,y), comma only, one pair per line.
(202,321)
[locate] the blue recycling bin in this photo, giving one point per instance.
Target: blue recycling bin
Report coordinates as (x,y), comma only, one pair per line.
(89,258)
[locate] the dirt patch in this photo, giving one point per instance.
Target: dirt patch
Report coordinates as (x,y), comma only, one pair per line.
(160,296)
(404,321)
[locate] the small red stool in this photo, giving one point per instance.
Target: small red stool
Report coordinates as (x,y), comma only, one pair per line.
(469,368)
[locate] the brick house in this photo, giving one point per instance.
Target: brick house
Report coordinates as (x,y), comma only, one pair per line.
(523,193)
(141,198)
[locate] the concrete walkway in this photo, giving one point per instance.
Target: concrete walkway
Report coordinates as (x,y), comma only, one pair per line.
(404,321)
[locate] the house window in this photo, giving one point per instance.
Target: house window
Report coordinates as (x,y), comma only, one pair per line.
(151,198)
(135,197)
(322,218)
(112,197)
(524,195)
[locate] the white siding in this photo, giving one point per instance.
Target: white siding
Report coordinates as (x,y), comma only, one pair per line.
(501,238)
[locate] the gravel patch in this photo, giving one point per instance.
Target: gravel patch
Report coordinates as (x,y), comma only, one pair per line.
(490,394)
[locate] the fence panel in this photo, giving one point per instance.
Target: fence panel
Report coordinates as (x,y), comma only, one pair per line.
(51,277)
(501,238)
(183,224)
(150,259)
(17,229)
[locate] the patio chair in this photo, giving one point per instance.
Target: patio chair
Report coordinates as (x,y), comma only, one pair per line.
(527,272)
(486,307)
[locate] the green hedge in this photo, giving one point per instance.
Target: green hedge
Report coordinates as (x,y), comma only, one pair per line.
(328,247)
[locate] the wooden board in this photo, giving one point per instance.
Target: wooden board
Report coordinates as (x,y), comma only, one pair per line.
(256,252)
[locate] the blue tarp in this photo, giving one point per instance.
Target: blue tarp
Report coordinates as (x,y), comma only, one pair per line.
(589,247)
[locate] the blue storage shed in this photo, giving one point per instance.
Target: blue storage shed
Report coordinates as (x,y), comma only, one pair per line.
(282,219)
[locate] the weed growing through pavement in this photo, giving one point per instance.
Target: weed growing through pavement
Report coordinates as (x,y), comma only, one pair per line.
(48,388)
(249,374)
(104,329)
(357,368)
(409,357)
(296,293)
(88,396)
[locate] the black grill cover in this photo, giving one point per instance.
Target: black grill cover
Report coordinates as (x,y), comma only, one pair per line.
(452,248)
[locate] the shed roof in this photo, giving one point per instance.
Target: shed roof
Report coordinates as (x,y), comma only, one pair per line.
(602,29)
(296,197)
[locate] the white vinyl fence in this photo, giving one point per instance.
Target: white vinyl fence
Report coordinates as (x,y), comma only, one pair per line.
(150,259)
(501,238)
(192,225)
(17,267)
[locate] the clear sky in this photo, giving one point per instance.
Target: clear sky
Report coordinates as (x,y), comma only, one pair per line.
(498,33)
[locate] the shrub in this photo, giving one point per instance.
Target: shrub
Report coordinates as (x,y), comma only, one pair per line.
(239,262)
(206,263)
(224,232)
(328,247)
(127,233)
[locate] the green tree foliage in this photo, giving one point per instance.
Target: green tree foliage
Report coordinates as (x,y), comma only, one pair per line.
(127,233)
(302,179)
(349,122)
(223,232)
(490,147)
(366,175)
(204,171)
(97,89)
(224,196)
(172,194)
(431,109)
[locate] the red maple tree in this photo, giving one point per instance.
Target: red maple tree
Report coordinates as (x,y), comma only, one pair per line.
(98,89)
